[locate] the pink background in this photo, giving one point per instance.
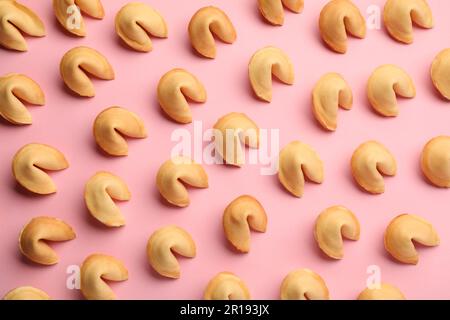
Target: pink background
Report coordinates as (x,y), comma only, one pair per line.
(65,122)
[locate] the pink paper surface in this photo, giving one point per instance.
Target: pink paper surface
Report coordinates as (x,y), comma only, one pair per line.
(65,122)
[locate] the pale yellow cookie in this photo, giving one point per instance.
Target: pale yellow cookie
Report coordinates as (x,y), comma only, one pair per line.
(384,291)
(26,293)
(273,11)
(332,225)
(35,235)
(435,161)
(402,231)
(31,163)
(174,88)
(232,132)
(95,270)
(162,245)
(77,63)
(296,161)
(263,64)
(14,88)
(135,21)
(16,20)
(174,174)
(99,194)
(400,16)
(206,24)
(226,286)
(440,73)
(369,161)
(338,18)
(330,93)
(112,125)
(304,284)
(69,14)
(384,85)
(243,214)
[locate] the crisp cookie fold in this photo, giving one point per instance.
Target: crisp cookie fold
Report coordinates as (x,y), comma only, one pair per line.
(15,88)
(330,93)
(226,286)
(338,18)
(400,16)
(136,21)
(243,214)
(174,89)
(31,163)
(263,64)
(403,231)
(304,284)
(95,270)
(69,14)
(77,63)
(33,237)
(112,125)
(232,132)
(175,174)
(99,194)
(273,10)
(385,84)
(298,160)
(332,225)
(435,161)
(370,161)
(162,245)
(16,19)
(207,23)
